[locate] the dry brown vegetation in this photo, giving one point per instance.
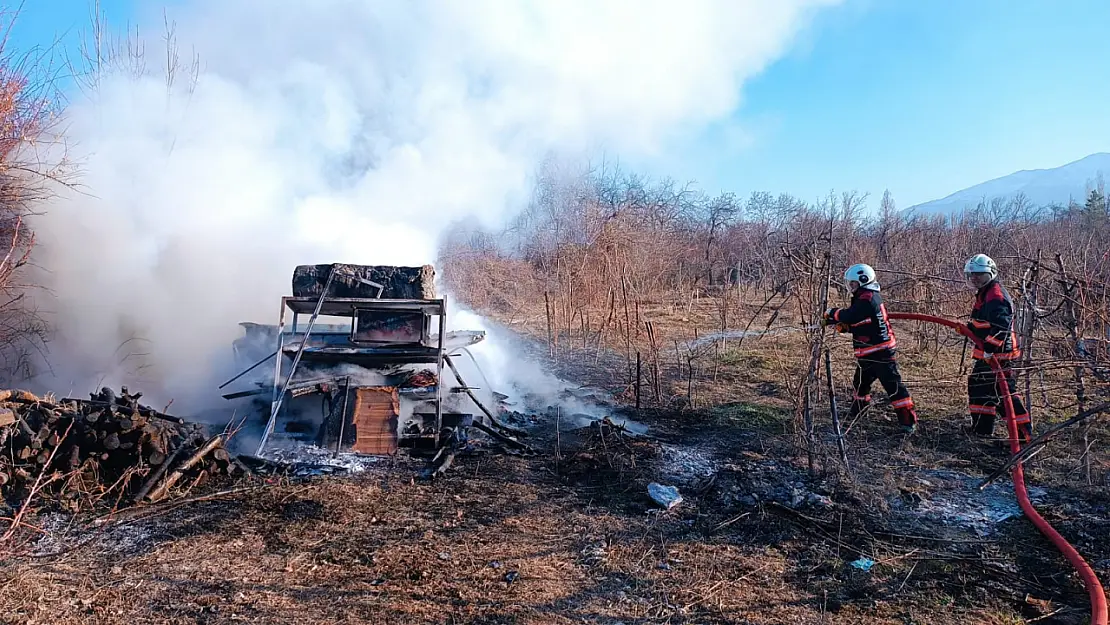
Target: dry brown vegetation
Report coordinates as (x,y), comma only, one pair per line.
(606,260)
(30,166)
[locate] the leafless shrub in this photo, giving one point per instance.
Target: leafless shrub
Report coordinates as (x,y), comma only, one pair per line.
(32,166)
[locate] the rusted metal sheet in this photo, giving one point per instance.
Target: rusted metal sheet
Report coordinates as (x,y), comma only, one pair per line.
(374,417)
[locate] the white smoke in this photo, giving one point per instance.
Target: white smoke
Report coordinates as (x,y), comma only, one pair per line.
(347,131)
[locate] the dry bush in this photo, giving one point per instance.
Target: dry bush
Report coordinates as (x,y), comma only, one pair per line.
(32,164)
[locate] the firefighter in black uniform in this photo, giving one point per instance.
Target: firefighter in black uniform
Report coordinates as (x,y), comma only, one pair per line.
(874,343)
(992,322)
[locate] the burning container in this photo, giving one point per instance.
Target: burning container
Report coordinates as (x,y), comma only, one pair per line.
(369,379)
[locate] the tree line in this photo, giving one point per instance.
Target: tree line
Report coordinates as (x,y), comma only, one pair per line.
(592,234)
(596,247)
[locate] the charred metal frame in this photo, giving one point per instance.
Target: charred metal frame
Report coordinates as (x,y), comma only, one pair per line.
(349,307)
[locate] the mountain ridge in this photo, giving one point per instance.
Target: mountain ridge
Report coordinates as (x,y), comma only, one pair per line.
(1042,187)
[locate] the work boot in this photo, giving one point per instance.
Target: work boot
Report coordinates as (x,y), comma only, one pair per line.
(1024,428)
(907,418)
(982,425)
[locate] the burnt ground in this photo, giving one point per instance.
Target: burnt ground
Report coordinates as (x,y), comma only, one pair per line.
(570,536)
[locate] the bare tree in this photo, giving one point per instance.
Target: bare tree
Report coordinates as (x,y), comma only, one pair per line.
(33,165)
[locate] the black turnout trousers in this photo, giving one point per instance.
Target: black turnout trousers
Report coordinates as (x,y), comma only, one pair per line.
(985,400)
(885,370)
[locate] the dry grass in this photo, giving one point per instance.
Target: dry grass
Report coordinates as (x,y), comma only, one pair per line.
(382,549)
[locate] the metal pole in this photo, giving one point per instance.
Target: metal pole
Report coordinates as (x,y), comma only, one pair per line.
(248,369)
(343,416)
(440,355)
(277,362)
(278,398)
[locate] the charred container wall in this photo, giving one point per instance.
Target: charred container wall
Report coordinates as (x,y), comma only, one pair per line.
(399,282)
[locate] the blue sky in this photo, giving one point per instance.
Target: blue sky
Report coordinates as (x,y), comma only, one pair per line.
(41,22)
(924,97)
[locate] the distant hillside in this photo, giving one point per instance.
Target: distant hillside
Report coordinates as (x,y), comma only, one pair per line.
(1041,186)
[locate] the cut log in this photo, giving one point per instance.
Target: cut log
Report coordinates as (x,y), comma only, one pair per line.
(19,396)
(156,476)
(74,457)
(398,282)
(172,478)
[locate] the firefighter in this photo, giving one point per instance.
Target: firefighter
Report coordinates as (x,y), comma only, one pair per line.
(992,322)
(874,343)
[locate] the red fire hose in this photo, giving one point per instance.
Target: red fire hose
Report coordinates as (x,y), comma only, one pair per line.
(1090,580)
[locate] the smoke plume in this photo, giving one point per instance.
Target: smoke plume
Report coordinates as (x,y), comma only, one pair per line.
(345,131)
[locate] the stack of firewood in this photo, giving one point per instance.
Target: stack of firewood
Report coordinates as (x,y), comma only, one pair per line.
(106,448)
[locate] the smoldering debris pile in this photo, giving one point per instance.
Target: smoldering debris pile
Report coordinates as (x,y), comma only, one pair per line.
(108,449)
(606,453)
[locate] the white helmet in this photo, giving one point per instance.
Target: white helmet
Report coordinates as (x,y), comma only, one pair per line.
(863,274)
(981,263)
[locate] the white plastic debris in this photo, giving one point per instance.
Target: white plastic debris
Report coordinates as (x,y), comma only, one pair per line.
(666,496)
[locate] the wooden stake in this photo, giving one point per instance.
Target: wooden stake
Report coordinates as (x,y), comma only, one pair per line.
(637,380)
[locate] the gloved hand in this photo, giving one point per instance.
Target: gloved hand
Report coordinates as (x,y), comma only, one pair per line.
(828,320)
